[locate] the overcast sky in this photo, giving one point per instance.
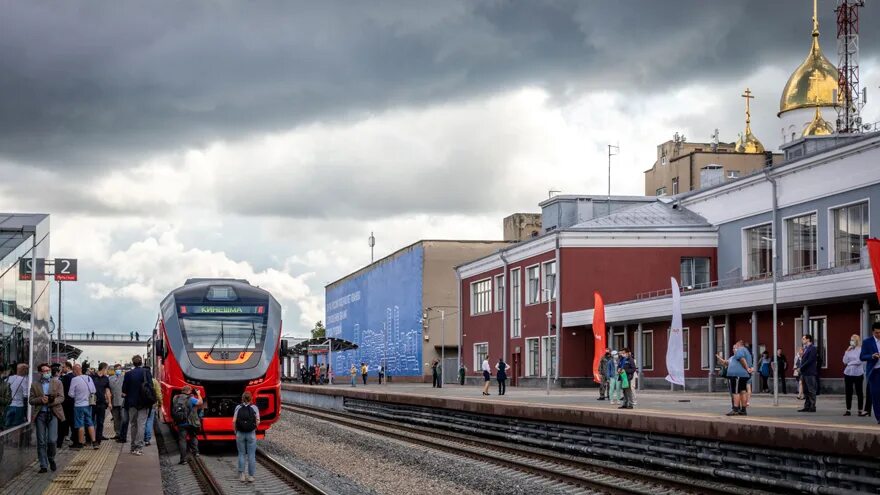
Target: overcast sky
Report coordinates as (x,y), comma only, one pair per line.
(266,140)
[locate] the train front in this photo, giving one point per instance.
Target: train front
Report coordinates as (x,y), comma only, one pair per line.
(222,337)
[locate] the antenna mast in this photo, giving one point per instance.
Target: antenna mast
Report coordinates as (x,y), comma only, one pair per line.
(850,99)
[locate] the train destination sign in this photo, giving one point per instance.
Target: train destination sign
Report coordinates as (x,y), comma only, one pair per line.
(222,310)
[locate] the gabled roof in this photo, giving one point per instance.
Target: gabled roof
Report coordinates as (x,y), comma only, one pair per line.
(659,216)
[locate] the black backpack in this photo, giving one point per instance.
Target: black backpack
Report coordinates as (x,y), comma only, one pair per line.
(148,393)
(245,420)
(180,409)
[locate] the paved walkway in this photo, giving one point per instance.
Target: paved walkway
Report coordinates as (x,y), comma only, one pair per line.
(829,408)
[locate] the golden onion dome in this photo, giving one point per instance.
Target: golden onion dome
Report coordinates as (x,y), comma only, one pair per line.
(747,142)
(814,80)
(819,126)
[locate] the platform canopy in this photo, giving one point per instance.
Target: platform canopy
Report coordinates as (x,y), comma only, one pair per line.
(336,345)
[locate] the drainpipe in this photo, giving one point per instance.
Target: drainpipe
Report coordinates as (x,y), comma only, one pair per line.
(640,339)
(755,347)
(866,320)
(559,332)
(775,270)
(505,334)
(460,317)
(712,359)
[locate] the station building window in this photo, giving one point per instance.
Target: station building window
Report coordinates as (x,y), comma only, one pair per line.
(533,284)
(801,246)
(548,356)
(618,340)
(850,228)
(515,304)
(819,331)
(532,357)
(481,353)
(708,355)
(499,293)
(758,246)
(647,349)
(686,346)
(694,273)
(549,269)
(481,297)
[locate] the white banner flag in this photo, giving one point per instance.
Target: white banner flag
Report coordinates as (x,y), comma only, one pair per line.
(675,347)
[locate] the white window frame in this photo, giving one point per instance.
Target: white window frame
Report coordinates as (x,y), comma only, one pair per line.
(544,350)
(784,220)
(832,246)
(478,363)
(692,259)
(499,292)
(553,289)
(474,284)
(661,191)
(528,361)
(676,188)
(686,346)
(642,349)
(799,332)
(744,248)
(537,300)
(622,335)
(515,303)
(705,353)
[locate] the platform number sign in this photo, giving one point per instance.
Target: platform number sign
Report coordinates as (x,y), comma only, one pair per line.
(26,269)
(65,269)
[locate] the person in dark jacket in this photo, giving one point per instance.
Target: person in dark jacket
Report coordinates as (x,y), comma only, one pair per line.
(809,371)
(501,376)
(64,428)
(627,366)
(137,412)
(782,368)
(871,356)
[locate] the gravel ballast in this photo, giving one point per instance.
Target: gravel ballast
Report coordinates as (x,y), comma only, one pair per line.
(350,461)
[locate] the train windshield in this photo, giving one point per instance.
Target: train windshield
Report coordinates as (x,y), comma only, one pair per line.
(206,328)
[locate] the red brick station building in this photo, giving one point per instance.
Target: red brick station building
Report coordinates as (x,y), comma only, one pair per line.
(718,242)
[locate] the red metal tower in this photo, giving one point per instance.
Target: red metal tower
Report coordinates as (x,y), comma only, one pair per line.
(850,99)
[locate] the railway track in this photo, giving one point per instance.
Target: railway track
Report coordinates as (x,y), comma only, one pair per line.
(217,474)
(576,473)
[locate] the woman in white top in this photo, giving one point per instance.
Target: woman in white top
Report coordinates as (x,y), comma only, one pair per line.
(854,374)
(487,376)
(245,420)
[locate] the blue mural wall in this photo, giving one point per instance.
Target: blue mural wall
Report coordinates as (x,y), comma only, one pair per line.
(381,311)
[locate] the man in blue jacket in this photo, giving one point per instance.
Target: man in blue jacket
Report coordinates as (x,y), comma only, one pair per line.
(871,355)
(809,372)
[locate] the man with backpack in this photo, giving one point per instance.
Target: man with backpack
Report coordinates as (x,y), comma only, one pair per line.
(185,414)
(137,388)
(245,420)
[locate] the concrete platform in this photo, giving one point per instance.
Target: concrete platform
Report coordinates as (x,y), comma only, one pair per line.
(694,415)
(110,469)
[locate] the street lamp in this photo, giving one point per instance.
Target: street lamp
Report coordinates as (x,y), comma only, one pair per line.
(547,293)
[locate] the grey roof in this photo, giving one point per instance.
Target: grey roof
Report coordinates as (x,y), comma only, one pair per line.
(658,215)
(14,221)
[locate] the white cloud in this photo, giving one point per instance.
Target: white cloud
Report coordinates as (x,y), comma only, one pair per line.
(147,270)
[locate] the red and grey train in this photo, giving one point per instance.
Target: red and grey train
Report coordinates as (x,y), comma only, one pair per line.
(223,337)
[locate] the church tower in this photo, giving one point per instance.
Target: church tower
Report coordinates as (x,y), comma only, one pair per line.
(811,88)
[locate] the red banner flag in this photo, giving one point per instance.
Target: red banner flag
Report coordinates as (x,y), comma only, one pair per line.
(874,256)
(599,344)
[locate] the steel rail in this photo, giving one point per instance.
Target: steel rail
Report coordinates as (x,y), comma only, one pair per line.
(582,473)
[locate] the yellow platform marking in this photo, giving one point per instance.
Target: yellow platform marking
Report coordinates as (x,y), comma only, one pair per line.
(84,470)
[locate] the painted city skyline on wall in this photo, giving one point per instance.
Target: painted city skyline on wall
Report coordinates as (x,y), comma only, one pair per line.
(380,310)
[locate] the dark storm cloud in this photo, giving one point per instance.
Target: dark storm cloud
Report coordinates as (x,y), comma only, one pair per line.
(86,85)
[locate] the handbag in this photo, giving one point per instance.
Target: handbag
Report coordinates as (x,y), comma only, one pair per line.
(624,380)
(93,398)
(723,372)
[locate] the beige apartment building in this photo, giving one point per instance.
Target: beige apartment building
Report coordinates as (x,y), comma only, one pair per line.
(683,166)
